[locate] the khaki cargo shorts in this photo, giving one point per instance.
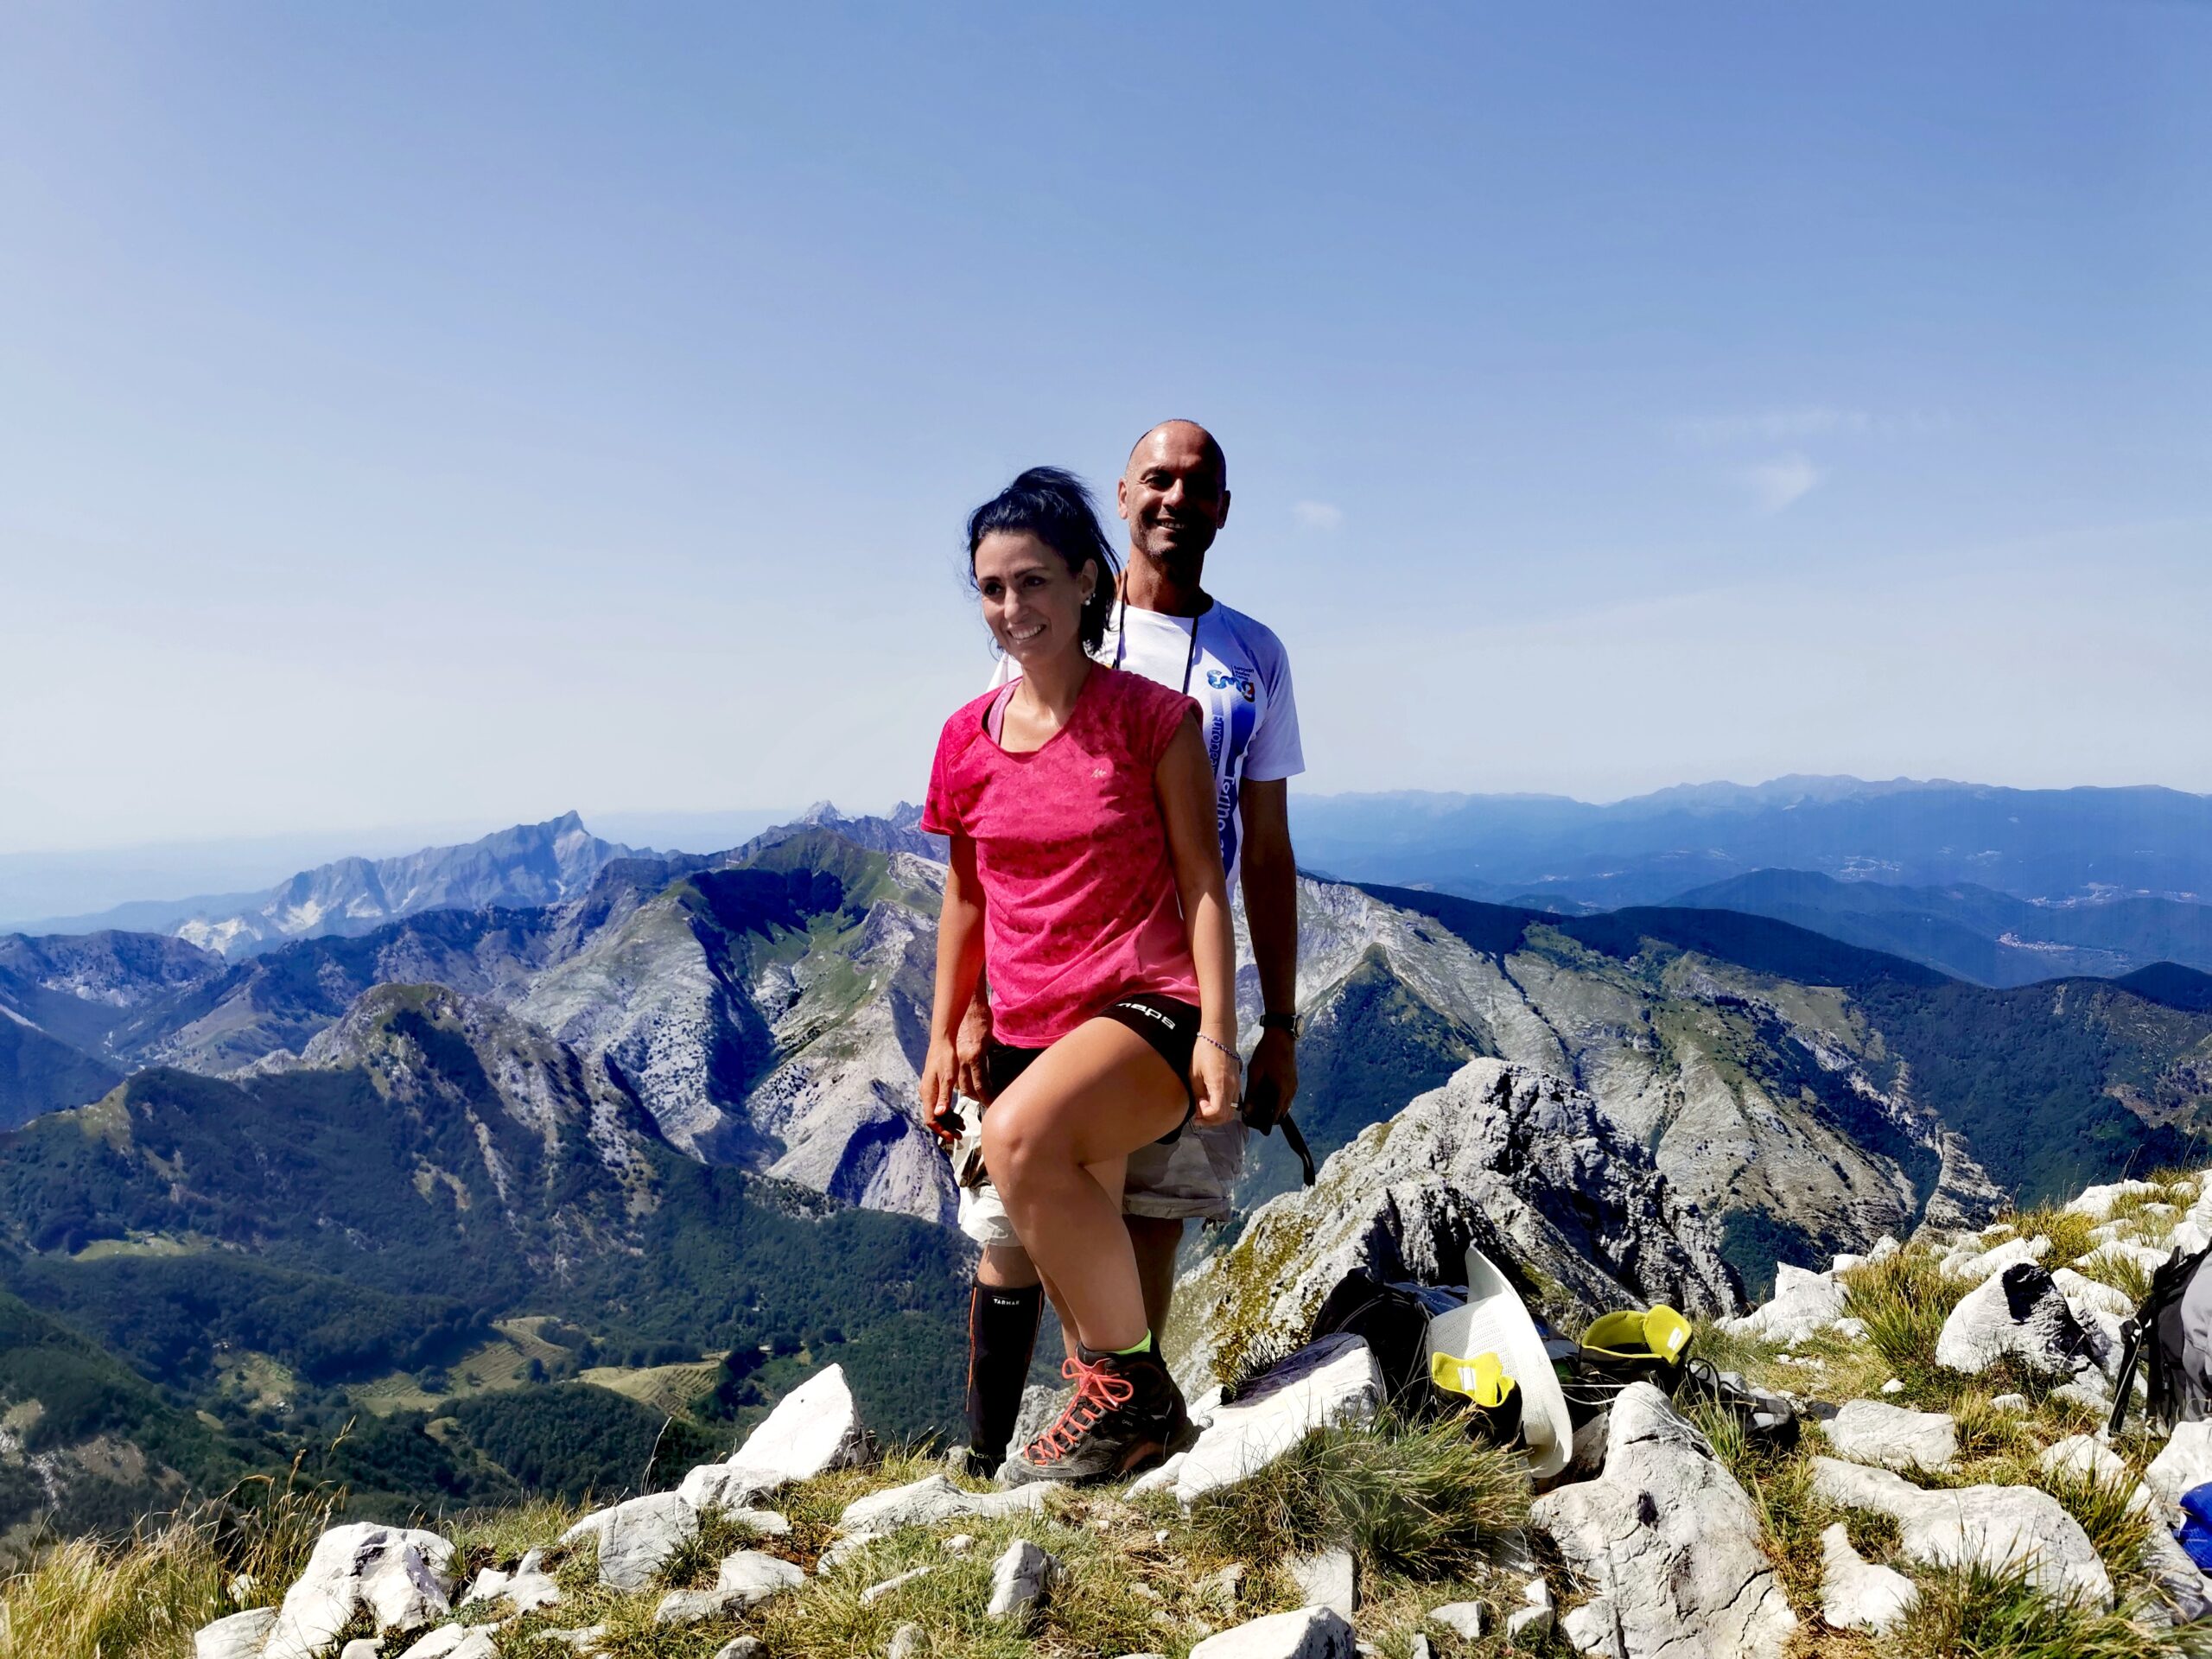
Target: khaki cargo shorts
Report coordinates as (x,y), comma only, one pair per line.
(1188,1180)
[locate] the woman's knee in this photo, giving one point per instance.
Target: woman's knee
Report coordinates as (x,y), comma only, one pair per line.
(1019,1142)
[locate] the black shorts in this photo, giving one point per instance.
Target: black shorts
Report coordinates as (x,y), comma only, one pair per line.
(1170,1025)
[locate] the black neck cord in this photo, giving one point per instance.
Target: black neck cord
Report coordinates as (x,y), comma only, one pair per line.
(1121,641)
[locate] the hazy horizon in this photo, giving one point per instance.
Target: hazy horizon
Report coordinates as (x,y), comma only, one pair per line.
(435,416)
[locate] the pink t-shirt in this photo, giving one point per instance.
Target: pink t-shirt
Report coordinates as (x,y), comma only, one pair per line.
(1079,899)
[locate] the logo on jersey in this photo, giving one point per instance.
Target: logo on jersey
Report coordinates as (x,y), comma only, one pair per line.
(1223,679)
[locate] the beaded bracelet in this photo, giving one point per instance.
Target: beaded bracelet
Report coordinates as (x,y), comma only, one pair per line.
(1223,1046)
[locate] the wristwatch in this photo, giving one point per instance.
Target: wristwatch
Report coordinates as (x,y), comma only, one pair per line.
(1289,1022)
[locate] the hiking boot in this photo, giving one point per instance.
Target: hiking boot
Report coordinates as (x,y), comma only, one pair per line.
(1125,1411)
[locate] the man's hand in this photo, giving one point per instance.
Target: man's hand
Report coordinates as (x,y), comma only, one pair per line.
(968,1046)
(1274,1062)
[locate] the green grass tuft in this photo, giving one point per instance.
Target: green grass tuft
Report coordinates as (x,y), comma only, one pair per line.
(1425,1500)
(1977,1613)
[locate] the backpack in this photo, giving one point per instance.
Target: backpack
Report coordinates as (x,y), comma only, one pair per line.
(2170,1335)
(1394,1320)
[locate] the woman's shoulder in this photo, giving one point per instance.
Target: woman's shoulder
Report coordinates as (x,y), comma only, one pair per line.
(965,724)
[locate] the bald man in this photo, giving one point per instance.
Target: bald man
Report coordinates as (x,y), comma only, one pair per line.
(1174,496)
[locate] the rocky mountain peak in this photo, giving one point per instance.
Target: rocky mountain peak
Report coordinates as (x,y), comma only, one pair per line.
(1520,1164)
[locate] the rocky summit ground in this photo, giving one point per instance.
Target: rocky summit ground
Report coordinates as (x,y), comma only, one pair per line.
(1951,1493)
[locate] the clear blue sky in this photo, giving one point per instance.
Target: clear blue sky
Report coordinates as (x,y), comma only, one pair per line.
(447,413)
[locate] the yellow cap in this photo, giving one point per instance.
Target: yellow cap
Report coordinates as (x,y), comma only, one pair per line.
(1482,1379)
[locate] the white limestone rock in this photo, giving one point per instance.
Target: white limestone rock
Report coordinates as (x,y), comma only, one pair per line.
(2019,1313)
(1533,1617)
(743,1647)
(2017,1404)
(2084,1458)
(2080,1290)
(1803,1304)
(2185,1462)
(877,1592)
(1856,1594)
(636,1538)
(1866,1430)
(1333,1380)
(455,1642)
(680,1609)
(752,1577)
(1467,1620)
(1327,1578)
(400,1575)
(814,1428)
(2185,1593)
(1675,1543)
(906,1641)
(2096,1202)
(1309,1633)
(2011,1253)
(725,1488)
(242,1636)
(1995,1526)
(2149,1257)
(930,1500)
(1019,1579)
(1161,1478)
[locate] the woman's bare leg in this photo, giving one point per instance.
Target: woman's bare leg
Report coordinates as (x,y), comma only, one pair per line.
(1057,1144)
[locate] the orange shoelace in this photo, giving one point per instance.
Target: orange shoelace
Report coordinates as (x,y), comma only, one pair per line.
(1097,1391)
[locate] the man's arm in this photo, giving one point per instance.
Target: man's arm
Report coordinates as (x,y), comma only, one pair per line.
(1270,882)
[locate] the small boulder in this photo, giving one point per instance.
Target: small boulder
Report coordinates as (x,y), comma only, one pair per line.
(1978,1266)
(680,1609)
(453,1641)
(242,1636)
(2084,1457)
(814,1428)
(752,1577)
(1019,1579)
(362,1647)
(930,1499)
(2184,1463)
(1326,1578)
(725,1488)
(1673,1540)
(1866,1430)
(1533,1617)
(1333,1380)
(1309,1633)
(401,1576)
(2096,1202)
(1856,1594)
(1996,1527)
(2018,1313)
(876,1593)
(637,1538)
(906,1641)
(1467,1620)
(1803,1302)
(2016,1404)
(744,1647)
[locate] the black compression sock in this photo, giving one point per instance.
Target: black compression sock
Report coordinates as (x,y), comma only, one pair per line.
(1001,1337)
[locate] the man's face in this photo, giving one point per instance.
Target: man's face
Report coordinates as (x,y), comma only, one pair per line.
(1173,497)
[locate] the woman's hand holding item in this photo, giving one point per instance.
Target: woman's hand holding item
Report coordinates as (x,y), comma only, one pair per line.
(939,1098)
(1217,1080)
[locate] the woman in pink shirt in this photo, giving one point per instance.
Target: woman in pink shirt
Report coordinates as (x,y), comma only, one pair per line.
(1086,877)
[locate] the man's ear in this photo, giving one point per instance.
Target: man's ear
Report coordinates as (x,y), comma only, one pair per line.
(1222,517)
(1121,496)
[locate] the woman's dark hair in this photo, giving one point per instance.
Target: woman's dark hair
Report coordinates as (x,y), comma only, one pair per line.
(1052,504)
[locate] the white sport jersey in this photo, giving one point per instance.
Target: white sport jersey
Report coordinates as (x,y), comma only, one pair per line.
(1239,674)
